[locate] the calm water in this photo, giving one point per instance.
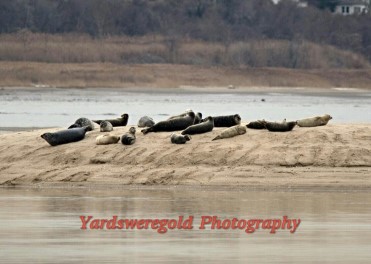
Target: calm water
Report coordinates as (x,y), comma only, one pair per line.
(43,226)
(60,107)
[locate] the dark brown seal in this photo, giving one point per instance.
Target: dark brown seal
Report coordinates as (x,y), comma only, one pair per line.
(280,127)
(66,136)
(259,124)
(225,121)
(200,128)
(174,124)
(120,121)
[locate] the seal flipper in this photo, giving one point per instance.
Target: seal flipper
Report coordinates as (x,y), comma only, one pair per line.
(216,138)
(147,130)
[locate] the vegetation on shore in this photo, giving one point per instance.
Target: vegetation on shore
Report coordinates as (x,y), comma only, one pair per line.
(255,33)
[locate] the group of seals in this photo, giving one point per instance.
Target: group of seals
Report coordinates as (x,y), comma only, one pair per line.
(189,122)
(66,136)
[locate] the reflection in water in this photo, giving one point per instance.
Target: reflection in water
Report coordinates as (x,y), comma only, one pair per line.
(43,226)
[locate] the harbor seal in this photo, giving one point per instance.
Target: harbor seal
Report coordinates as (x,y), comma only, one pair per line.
(106,126)
(181,115)
(280,127)
(231,132)
(259,124)
(66,136)
(226,121)
(198,118)
(145,121)
(175,124)
(129,138)
(82,122)
(314,121)
(120,121)
(200,128)
(179,139)
(106,139)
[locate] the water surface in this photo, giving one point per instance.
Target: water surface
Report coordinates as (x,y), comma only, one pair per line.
(60,107)
(43,226)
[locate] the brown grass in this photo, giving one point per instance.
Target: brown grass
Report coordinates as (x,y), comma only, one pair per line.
(27,74)
(70,48)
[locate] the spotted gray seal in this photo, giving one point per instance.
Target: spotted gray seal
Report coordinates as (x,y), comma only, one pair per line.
(106,139)
(66,136)
(129,138)
(174,124)
(231,132)
(145,121)
(226,121)
(82,122)
(179,139)
(200,128)
(314,121)
(106,126)
(120,121)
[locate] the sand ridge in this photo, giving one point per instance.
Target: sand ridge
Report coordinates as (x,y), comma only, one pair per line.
(332,156)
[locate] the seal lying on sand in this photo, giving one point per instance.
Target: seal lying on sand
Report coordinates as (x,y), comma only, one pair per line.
(200,128)
(181,115)
(178,123)
(105,126)
(179,139)
(226,121)
(231,132)
(120,121)
(314,121)
(280,127)
(82,122)
(129,138)
(198,116)
(66,136)
(259,124)
(145,121)
(106,139)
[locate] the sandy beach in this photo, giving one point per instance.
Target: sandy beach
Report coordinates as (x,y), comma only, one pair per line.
(336,156)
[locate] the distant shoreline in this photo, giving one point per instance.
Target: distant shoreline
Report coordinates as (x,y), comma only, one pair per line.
(175,76)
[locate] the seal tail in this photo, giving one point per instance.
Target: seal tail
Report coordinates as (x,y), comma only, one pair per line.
(216,138)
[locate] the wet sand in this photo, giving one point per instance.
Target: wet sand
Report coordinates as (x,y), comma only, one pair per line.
(334,157)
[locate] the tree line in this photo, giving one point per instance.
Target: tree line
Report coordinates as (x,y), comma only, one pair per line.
(222,21)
